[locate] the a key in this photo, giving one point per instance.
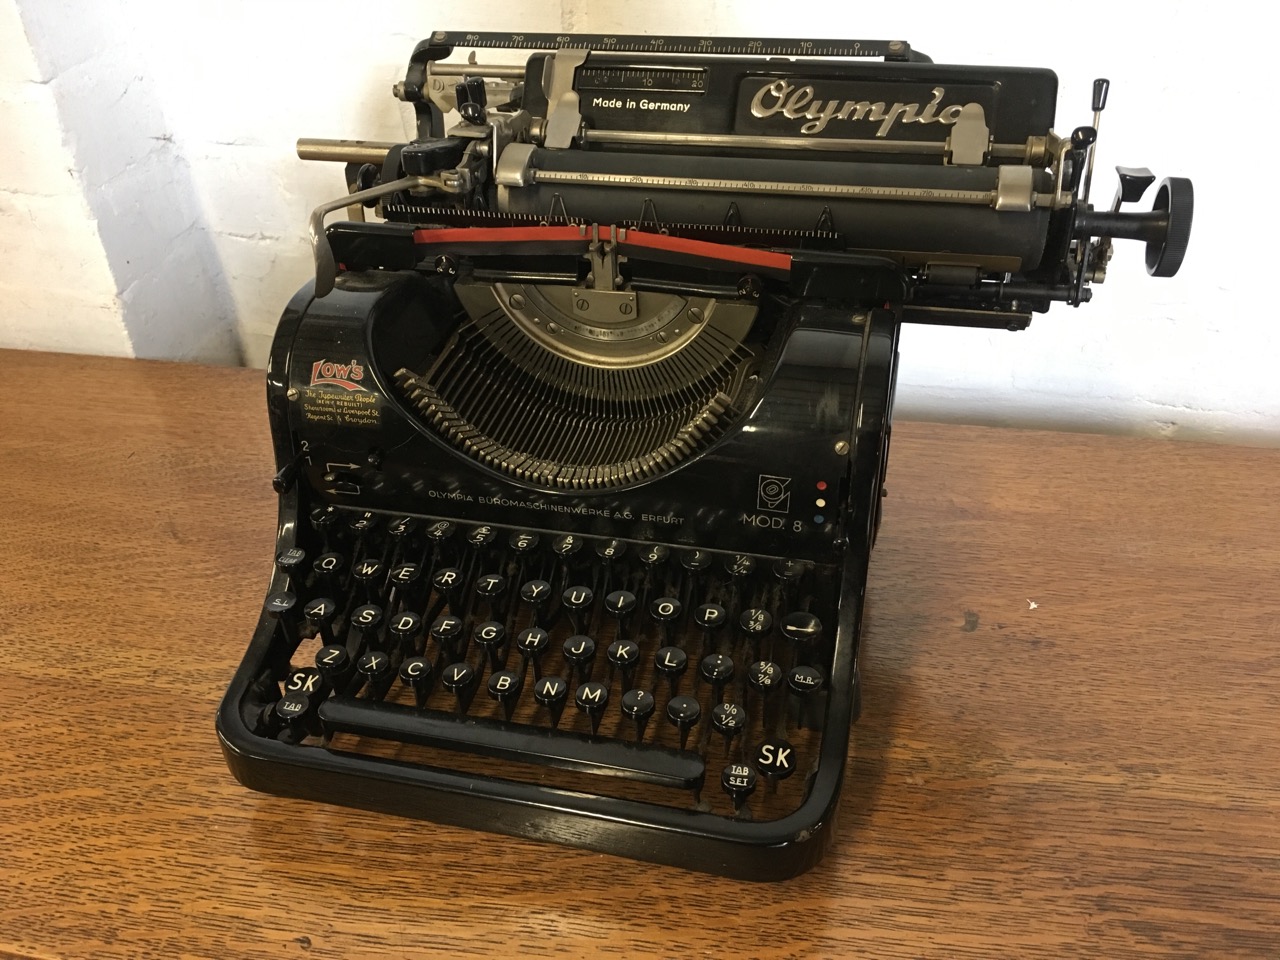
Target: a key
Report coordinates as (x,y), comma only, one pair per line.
(366,620)
(566,547)
(532,644)
(404,629)
(491,637)
(729,720)
(803,630)
(292,563)
(404,580)
(283,607)
(776,760)
(368,576)
(293,713)
(374,673)
(710,618)
(482,537)
(671,663)
(324,521)
(552,693)
(335,665)
(320,613)
(329,568)
(805,683)
(577,601)
(610,550)
(418,674)
(446,630)
(448,584)
(637,706)
(591,699)
(537,594)
(665,612)
(739,781)
(764,680)
(504,687)
(491,588)
(684,713)
(624,657)
(523,542)
(755,625)
(716,670)
(460,680)
(620,604)
(580,653)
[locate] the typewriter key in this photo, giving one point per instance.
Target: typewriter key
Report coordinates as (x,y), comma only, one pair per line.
(445,631)
(739,781)
(671,662)
(621,604)
(776,759)
(577,600)
(448,583)
(537,594)
(460,680)
(320,613)
(716,669)
(566,546)
(591,699)
(610,550)
(292,712)
(375,672)
(291,563)
(491,637)
(755,625)
(624,656)
(695,561)
(730,720)
(334,664)
(637,706)
(804,630)
(665,611)
(402,528)
(404,580)
(404,631)
(482,536)
(532,644)
(329,569)
(282,607)
(711,618)
(552,693)
(523,542)
(418,674)
(368,575)
(490,589)
(580,653)
(805,683)
(684,713)
(654,555)
(504,686)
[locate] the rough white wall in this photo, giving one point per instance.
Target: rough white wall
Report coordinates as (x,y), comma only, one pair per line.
(56,291)
(238,82)
(167,284)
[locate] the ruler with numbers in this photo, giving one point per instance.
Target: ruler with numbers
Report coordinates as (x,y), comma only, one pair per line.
(750,46)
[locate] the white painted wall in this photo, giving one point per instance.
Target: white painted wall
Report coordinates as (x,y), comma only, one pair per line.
(231,85)
(56,291)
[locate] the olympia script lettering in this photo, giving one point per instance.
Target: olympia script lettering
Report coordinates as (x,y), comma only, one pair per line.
(797,103)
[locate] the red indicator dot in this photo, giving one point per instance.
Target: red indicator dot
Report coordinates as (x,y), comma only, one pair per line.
(822,484)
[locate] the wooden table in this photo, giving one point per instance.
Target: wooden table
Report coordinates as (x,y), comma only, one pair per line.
(1069,744)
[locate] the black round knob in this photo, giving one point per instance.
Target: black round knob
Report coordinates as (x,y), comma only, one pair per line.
(591,699)
(1175,197)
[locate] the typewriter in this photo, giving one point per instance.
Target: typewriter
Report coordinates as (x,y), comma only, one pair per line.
(582,424)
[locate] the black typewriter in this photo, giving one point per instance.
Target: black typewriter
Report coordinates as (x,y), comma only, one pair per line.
(582,426)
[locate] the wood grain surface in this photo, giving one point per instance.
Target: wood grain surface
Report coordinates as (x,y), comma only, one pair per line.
(1068,747)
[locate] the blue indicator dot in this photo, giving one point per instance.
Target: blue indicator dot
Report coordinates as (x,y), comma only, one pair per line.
(818,519)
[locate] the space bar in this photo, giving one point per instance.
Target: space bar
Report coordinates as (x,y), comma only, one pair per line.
(567,751)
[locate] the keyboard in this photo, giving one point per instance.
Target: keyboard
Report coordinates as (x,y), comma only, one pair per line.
(696,680)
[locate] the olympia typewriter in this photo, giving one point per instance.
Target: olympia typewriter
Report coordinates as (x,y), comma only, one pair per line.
(582,426)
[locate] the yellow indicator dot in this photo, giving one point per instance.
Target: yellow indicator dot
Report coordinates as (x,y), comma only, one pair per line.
(820,503)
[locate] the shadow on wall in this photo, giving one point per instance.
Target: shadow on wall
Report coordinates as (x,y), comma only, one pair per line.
(169,281)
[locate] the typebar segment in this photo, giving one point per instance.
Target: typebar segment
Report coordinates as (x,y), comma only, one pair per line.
(389,721)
